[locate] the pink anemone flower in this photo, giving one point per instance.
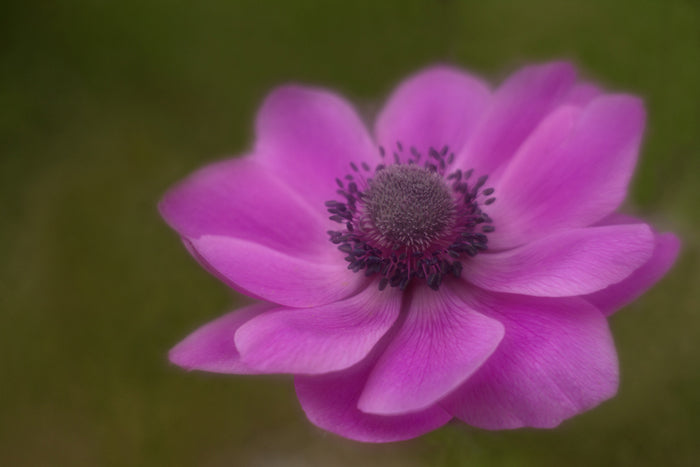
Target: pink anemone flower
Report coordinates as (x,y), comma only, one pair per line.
(458,261)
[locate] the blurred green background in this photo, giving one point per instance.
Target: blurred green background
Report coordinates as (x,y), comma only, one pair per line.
(103,105)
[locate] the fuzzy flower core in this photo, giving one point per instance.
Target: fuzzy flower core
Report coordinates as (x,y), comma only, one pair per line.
(410,221)
(458,261)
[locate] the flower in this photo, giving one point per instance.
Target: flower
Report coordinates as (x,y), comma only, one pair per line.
(459,262)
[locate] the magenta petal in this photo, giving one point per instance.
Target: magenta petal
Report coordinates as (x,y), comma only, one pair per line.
(614,297)
(330,402)
(581,94)
(239,198)
(274,276)
(441,342)
(309,137)
(320,339)
(516,109)
(557,359)
(435,108)
(573,171)
(575,262)
(212,347)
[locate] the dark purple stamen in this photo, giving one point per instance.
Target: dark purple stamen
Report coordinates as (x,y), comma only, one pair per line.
(411,220)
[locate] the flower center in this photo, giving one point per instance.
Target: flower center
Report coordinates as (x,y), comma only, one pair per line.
(410,219)
(409,207)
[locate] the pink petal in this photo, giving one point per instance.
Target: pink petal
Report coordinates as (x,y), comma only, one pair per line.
(573,171)
(212,347)
(321,339)
(575,262)
(581,94)
(239,198)
(557,359)
(433,108)
(442,341)
(274,276)
(614,297)
(309,137)
(330,402)
(516,109)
